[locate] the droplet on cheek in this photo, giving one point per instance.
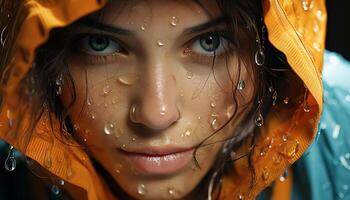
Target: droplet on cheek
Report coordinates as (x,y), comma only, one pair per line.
(213,104)
(141,189)
(106,90)
(128,79)
(189,74)
(108,128)
(143,28)
(171,191)
(118,168)
(213,120)
(90,101)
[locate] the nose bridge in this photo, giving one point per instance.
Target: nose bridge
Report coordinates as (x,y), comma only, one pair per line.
(158,109)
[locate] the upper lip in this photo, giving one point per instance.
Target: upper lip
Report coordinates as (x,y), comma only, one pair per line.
(157,151)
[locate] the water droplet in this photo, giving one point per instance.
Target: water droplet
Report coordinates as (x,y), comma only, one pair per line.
(118,168)
(171,191)
(90,101)
(263,151)
(319,15)
(133,139)
(307,4)
(306,107)
(240,197)
(316,27)
(162,111)
(199,117)
(317,46)
(108,128)
(212,104)
(345,161)
(124,146)
(55,190)
(92,115)
(143,28)
(336,131)
(241,85)
(189,74)
(187,132)
(215,124)
(61,182)
(10,162)
(76,127)
(160,43)
(128,79)
(106,90)
(290,148)
(284,176)
(59,80)
(259,120)
(286,100)
(345,187)
(341,195)
(285,137)
(174,21)
(274,98)
(271,89)
(141,189)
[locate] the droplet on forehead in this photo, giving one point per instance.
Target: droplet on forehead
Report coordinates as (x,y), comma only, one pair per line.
(189,74)
(174,21)
(106,89)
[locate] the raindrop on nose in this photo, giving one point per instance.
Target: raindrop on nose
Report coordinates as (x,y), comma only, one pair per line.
(128,79)
(141,189)
(174,21)
(108,128)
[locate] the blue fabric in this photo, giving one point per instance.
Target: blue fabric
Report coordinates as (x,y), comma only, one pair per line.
(323,173)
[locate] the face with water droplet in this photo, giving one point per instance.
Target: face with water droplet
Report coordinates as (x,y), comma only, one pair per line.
(148,85)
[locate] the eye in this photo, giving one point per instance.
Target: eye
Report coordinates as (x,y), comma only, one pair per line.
(100,45)
(209,44)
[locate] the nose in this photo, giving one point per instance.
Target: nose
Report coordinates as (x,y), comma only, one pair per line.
(157,108)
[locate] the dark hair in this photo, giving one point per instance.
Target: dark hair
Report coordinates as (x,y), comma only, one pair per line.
(244,21)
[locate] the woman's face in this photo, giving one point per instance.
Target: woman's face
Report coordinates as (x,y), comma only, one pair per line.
(149,91)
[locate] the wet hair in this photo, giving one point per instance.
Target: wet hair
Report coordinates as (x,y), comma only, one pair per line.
(247,34)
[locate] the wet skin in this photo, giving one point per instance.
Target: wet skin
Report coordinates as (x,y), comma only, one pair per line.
(145,79)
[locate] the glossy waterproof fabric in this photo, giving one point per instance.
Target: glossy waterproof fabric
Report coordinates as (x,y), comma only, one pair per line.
(297,28)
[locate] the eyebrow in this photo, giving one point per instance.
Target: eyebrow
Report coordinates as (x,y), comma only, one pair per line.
(121,31)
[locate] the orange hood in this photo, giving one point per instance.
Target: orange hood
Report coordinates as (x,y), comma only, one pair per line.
(297,28)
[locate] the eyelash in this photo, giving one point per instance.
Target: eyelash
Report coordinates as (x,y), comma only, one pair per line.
(198,57)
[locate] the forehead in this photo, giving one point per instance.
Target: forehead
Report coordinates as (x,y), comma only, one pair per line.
(134,12)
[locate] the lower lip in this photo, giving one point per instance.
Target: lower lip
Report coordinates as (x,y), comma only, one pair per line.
(160,164)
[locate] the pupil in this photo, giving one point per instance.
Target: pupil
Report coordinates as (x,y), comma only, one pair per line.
(98,43)
(210,42)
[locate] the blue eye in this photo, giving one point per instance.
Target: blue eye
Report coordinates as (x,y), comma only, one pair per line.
(209,44)
(99,45)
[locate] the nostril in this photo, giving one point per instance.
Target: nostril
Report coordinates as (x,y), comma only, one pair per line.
(154,118)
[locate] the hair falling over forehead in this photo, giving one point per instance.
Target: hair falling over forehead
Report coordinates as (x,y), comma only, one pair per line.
(42,85)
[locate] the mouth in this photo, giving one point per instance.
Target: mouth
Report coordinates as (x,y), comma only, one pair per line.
(159,160)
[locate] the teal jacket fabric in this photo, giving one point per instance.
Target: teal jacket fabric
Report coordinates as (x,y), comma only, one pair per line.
(323,173)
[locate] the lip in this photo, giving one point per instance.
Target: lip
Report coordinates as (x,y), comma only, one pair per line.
(159,160)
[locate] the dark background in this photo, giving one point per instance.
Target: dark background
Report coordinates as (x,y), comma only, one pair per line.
(338,27)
